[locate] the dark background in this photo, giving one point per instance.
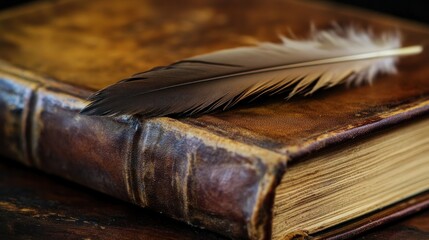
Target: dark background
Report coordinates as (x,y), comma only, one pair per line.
(416,10)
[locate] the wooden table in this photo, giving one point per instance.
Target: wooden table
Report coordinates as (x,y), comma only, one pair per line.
(34,205)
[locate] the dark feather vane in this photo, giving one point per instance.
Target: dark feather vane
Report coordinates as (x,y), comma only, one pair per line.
(221,79)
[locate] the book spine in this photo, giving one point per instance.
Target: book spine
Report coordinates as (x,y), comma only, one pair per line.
(15,97)
(185,172)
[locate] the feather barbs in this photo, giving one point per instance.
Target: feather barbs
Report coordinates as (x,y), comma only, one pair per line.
(221,79)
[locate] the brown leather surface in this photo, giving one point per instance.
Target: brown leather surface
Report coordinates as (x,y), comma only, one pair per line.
(34,205)
(12,128)
(182,167)
(85,150)
(184,172)
(115,40)
(124,38)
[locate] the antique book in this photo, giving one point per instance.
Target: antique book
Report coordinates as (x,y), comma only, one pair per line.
(36,206)
(327,166)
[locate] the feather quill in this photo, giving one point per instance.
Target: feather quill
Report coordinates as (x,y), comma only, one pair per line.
(221,79)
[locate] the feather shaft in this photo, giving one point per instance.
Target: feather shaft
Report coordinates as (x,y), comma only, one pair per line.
(411,50)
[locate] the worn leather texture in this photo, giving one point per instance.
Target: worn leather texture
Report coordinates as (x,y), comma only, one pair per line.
(36,206)
(219,170)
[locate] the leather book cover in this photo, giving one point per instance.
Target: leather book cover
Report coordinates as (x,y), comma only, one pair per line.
(55,54)
(35,206)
